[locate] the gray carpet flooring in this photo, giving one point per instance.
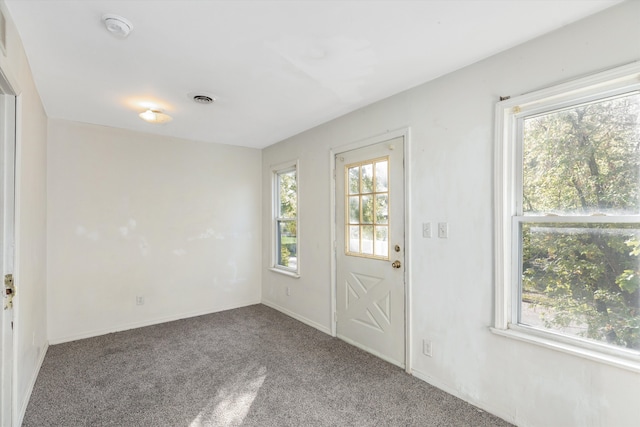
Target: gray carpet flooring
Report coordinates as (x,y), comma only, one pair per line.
(251,366)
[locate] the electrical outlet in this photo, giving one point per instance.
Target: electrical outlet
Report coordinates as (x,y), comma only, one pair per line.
(426,230)
(443,230)
(427,348)
(139,300)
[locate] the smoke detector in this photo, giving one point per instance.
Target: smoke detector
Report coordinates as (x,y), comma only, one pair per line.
(202,98)
(117,25)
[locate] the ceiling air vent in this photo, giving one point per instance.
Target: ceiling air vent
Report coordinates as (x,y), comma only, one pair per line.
(203,99)
(117,25)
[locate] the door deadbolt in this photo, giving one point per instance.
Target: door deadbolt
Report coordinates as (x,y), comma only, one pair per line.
(397,248)
(396,264)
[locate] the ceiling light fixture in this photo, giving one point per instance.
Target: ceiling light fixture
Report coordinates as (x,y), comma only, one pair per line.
(117,25)
(155,116)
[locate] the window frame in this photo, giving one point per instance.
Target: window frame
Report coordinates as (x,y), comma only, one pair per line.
(508,186)
(276,171)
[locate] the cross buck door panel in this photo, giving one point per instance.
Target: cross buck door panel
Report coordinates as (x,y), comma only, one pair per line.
(370,249)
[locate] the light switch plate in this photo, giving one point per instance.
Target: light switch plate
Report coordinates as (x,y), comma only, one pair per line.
(426,230)
(443,230)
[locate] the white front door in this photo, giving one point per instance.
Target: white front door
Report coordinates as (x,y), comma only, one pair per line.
(370,290)
(7,162)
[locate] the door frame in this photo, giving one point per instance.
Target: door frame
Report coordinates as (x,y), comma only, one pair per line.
(405,133)
(9,135)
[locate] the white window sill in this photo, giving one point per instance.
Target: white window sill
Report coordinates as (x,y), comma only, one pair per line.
(608,359)
(289,273)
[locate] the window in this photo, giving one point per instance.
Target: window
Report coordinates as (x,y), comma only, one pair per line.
(568,217)
(285,257)
(367,208)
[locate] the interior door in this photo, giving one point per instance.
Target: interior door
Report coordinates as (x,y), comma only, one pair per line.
(7,190)
(370,294)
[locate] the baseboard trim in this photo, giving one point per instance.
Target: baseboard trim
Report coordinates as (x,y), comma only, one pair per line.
(151,322)
(498,412)
(32,383)
(296,316)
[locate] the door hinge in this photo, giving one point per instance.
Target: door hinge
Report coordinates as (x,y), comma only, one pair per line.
(9,291)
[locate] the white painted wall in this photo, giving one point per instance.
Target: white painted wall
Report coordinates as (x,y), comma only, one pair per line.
(30,264)
(451,122)
(131,214)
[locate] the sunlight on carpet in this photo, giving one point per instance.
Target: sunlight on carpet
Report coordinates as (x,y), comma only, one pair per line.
(232,403)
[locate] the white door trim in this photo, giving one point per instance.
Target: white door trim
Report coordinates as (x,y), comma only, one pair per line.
(8,238)
(406,134)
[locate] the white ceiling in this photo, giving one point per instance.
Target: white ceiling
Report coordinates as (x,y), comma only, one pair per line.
(276,67)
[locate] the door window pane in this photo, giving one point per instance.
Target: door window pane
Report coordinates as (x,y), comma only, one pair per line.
(354,239)
(382,176)
(382,208)
(382,241)
(367,204)
(367,239)
(367,178)
(367,209)
(353,178)
(354,210)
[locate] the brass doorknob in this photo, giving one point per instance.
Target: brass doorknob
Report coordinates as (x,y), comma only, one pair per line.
(396,264)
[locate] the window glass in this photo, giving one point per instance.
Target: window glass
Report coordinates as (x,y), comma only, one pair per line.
(382,208)
(367,209)
(286,220)
(354,210)
(288,194)
(382,241)
(382,176)
(367,239)
(354,180)
(367,178)
(582,280)
(367,205)
(583,159)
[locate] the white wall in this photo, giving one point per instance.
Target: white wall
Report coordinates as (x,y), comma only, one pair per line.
(452,139)
(30,332)
(131,214)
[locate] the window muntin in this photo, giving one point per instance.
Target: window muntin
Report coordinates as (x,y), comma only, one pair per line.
(286,219)
(577,249)
(367,208)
